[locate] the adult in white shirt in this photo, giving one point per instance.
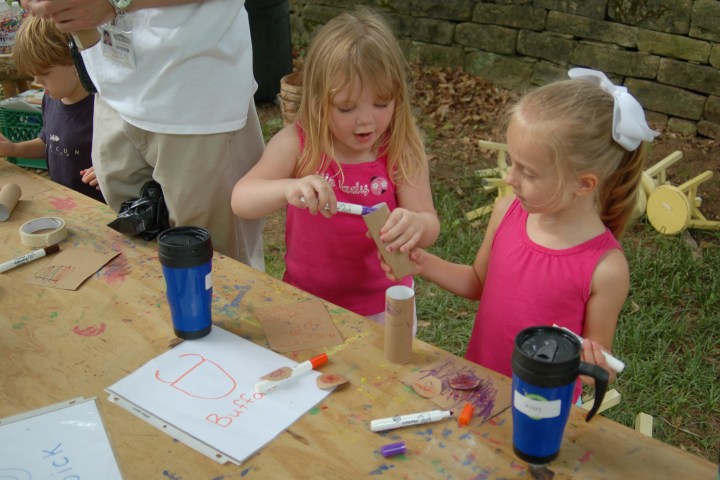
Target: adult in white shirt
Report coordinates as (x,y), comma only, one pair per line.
(174,104)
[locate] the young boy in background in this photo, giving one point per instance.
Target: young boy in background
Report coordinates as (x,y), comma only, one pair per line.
(65,140)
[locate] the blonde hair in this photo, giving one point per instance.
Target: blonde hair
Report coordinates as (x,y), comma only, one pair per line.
(39,45)
(357,47)
(574,119)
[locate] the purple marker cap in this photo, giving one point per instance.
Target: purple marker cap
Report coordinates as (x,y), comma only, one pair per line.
(393,449)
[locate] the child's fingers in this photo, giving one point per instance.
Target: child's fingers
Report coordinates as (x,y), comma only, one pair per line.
(405,242)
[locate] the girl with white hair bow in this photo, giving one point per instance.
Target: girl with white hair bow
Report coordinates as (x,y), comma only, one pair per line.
(551,253)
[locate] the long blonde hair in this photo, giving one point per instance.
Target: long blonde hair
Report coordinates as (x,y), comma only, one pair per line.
(574,118)
(39,45)
(357,47)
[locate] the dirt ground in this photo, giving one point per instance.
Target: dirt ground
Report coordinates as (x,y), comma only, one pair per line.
(455,110)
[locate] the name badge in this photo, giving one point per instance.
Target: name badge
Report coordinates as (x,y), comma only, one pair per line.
(117,45)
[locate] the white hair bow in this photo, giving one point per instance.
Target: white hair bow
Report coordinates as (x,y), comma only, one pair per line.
(629,125)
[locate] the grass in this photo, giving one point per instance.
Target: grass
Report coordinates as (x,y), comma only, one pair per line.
(668,334)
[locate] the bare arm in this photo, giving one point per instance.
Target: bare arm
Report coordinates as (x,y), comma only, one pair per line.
(462,280)
(34,148)
(610,287)
(76,15)
(270,184)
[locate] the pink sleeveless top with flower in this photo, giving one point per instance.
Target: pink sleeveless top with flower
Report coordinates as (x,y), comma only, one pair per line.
(333,258)
(530,285)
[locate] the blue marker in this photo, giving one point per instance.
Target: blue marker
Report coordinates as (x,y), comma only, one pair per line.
(354,208)
(351,208)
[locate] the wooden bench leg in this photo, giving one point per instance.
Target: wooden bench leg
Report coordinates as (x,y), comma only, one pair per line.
(611,398)
(644,424)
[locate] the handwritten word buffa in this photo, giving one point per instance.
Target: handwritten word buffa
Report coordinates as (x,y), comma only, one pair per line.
(243,403)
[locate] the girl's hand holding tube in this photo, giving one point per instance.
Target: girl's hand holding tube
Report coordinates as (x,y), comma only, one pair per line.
(402,230)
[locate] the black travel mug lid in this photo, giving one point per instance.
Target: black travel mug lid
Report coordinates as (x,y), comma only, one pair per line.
(546,356)
(182,247)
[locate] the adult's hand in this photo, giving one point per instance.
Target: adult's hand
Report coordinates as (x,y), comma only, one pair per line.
(72,15)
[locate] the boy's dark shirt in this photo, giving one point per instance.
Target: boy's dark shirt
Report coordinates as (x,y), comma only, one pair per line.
(67,132)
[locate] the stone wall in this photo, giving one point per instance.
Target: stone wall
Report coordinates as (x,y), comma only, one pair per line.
(667,52)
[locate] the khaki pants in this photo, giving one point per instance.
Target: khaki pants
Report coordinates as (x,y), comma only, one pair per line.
(197,174)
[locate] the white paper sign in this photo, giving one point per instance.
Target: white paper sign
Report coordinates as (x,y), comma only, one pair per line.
(65,441)
(536,408)
(202,392)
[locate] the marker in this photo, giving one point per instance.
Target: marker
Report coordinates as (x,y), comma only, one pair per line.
(466,414)
(28,257)
(300,369)
(612,361)
(398,421)
(393,449)
(352,208)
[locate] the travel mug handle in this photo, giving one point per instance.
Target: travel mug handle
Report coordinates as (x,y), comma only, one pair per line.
(601,382)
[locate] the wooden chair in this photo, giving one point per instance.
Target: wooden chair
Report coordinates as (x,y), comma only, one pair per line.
(643,421)
(493,179)
(671,210)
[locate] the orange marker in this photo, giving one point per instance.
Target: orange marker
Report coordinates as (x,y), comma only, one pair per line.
(301,368)
(466,414)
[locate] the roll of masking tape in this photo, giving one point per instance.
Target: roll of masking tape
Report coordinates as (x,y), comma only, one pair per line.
(43,232)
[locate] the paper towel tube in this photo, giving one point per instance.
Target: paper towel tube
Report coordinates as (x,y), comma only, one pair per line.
(399,317)
(10,193)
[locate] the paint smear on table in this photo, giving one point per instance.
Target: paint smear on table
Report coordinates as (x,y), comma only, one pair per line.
(63,204)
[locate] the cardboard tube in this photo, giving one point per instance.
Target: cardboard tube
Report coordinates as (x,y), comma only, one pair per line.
(399,263)
(10,193)
(399,315)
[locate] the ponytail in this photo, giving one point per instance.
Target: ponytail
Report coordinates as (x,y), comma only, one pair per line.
(618,195)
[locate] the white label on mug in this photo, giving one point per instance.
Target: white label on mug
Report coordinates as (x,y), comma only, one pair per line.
(536,407)
(208,281)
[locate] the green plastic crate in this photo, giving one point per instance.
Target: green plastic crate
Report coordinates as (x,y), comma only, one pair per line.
(20,126)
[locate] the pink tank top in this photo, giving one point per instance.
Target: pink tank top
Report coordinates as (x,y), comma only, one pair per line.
(530,285)
(333,258)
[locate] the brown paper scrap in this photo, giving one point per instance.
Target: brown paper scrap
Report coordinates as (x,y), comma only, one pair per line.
(299,326)
(29,186)
(428,387)
(491,396)
(326,381)
(68,269)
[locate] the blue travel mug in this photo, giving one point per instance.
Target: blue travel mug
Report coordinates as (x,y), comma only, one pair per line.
(185,254)
(546,363)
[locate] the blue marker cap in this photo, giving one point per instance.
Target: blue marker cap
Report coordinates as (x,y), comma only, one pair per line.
(393,449)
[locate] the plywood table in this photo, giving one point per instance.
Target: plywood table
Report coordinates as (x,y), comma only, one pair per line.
(58,344)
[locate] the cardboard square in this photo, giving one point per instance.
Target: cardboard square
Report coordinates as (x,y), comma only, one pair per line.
(299,326)
(67,269)
(491,396)
(29,186)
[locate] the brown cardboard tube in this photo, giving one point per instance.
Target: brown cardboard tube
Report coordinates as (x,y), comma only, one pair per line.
(10,193)
(399,262)
(399,316)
